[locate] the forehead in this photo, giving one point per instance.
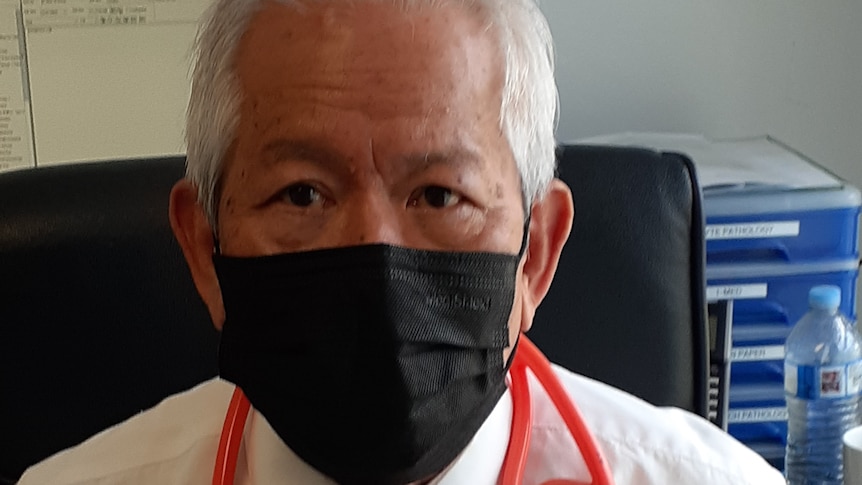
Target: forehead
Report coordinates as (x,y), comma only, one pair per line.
(419,58)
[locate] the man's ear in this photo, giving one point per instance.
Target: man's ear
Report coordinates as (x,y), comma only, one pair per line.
(550,224)
(195,235)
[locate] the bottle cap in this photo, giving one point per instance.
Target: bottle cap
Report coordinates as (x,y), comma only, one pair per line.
(825,297)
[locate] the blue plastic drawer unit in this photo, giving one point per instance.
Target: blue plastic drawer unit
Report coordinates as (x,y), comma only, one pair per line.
(759,423)
(758,418)
(768,299)
(781,226)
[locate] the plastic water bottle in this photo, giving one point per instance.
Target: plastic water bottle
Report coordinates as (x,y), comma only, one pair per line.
(823,388)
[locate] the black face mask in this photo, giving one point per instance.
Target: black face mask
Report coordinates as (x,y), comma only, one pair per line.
(374,364)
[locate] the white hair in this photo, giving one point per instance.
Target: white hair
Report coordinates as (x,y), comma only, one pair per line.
(528,113)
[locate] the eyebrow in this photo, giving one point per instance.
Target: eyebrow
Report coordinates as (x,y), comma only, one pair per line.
(284,149)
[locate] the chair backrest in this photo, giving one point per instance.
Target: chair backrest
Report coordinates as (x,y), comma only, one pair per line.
(627,303)
(99,318)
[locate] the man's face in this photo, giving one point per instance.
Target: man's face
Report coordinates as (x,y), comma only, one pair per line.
(364,124)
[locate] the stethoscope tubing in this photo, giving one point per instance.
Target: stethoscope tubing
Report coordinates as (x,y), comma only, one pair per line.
(530,357)
(527,357)
(231,438)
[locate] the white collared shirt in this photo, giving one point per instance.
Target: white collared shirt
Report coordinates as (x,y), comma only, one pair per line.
(176,443)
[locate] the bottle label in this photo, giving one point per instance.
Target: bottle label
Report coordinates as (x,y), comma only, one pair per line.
(815,382)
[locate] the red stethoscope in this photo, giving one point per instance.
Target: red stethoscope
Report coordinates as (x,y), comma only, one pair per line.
(527,357)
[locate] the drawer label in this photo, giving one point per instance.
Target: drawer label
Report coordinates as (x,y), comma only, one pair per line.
(757,415)
(757,353)
(737,292)
(757,230)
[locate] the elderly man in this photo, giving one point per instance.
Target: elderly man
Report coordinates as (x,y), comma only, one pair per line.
(371,218)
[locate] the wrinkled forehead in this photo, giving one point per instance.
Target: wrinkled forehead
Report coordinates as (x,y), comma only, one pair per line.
(332,12)
(366,27)
(437,54)
(478,8)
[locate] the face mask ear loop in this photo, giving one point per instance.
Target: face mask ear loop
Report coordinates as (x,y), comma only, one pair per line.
(514,351)
(525,239)
(216,245)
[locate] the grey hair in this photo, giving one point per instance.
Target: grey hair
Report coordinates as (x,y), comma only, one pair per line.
(528,113)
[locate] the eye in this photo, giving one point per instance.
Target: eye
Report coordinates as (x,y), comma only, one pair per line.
(302,195)
(435,196)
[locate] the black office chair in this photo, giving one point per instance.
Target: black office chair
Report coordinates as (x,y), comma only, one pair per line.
(627,303)
(99,318)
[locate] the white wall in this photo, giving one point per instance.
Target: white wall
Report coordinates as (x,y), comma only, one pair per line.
(788,68)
